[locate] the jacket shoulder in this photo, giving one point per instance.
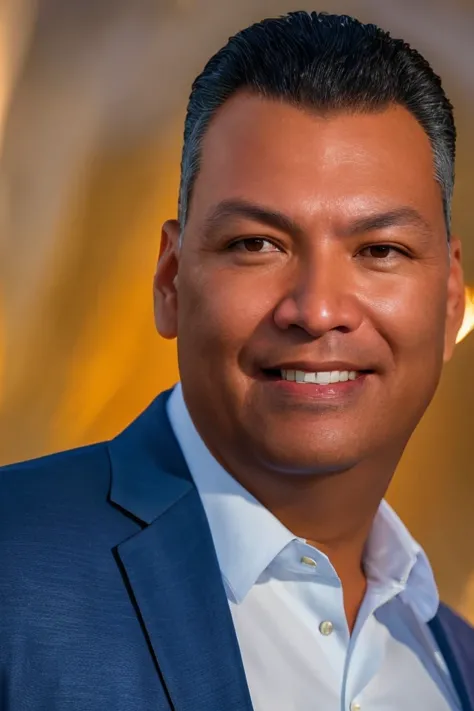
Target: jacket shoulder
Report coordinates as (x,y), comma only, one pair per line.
(53,463)
(32,488)
(50,461)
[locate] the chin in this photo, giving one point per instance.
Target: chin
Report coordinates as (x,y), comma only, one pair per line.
(291,458)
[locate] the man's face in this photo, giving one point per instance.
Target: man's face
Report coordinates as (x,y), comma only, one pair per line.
(316,246)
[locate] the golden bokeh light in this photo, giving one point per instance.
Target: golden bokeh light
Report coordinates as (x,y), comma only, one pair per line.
(468,323)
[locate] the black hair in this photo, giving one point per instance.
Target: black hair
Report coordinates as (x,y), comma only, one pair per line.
(327,63)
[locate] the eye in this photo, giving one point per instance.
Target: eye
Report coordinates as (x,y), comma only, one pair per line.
(255,245)
(381,251)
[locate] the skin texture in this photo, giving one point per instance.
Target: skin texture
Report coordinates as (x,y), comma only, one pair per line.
(312,283)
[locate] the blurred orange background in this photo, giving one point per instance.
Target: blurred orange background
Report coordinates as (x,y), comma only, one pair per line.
(92,100)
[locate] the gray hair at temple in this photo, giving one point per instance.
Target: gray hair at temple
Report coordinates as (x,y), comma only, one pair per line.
(327,63)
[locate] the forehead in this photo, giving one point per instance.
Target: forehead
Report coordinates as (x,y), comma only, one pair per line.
(306,164)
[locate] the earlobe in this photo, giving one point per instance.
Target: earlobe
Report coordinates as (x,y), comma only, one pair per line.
(165,281)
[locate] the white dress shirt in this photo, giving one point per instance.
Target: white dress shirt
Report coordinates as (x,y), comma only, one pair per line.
(287,606)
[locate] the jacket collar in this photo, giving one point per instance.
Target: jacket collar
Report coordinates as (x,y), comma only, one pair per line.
(149,473)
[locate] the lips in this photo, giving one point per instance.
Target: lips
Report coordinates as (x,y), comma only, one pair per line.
(315,388)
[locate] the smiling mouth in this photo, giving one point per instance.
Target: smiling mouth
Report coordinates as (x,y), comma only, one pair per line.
(322,377)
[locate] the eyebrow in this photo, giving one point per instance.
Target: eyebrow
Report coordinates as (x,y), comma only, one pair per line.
(399,217)
(251,211)
(404,216)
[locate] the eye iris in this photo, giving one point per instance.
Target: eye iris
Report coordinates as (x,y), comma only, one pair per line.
(379,250)
(254,244)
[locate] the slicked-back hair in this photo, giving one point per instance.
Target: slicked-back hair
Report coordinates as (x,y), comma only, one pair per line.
(326,63)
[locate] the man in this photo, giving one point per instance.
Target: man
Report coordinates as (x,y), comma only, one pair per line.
(231,550)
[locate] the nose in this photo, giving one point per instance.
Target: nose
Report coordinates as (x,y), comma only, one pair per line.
(321,297)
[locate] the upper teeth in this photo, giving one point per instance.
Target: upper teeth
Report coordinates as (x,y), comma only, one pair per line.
(321,378)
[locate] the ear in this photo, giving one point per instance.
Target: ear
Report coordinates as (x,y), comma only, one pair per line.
(165,292)
(456,299)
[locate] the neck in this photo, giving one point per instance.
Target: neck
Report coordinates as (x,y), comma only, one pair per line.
(333,512)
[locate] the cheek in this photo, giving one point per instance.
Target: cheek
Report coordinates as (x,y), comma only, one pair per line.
(220,314)
(412,321)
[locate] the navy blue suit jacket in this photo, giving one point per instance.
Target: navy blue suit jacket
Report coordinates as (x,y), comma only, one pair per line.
(111,597)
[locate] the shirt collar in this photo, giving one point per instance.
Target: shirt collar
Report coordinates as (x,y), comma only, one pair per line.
(394,558)
(247,537)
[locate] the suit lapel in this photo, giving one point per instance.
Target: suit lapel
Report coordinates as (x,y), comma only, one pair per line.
(455,641)
(172,570)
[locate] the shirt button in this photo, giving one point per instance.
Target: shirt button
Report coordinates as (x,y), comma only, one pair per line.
(355,706)
(308,561)
(326,628)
